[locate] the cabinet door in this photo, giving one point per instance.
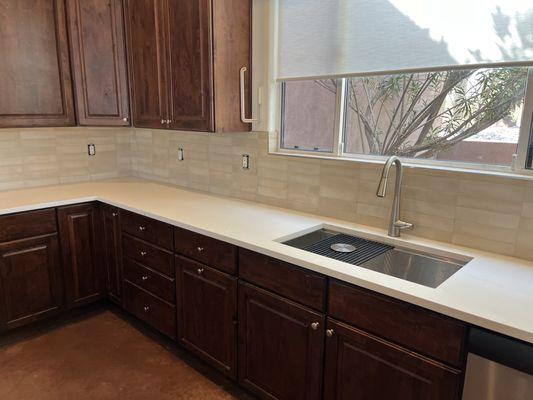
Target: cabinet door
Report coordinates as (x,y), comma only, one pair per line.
(99,61)
(146,52)
(80,252)
(190,64)
(360,366)
(35,88)
(280,346)
(31,287)
(112,249)
(207,313)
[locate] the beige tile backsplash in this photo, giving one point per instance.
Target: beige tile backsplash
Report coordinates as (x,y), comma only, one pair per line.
(484,212)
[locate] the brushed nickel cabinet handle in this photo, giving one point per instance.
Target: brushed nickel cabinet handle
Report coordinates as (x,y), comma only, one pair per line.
(115,214)
(143,253)
(243,99)
(144,278)
(200,271)
(329,332)
(315,325)
(125,119)
(146,308)
(163,121)
(200,249)
(142,228)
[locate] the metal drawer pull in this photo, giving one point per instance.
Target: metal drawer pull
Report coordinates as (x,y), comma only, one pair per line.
(200,271)
(243,100)
(143,253)
(142,228)
(146,308)
(329,332)
(200,249)
(314,326)
(144,278)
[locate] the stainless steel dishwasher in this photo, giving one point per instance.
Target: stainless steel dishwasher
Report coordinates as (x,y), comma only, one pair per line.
(498,368)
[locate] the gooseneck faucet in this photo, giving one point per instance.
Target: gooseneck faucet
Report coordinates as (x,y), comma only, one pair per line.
(395,224)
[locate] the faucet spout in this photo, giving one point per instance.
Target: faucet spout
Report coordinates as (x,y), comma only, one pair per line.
(395,225)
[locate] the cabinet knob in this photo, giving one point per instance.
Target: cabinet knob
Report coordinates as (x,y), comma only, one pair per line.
(144,278)
(143,253)
(115,214)
(200,249)
(329,332)
(142,228)
(315,325)
(146,308)
(125,119)
(200,271)
(163,121)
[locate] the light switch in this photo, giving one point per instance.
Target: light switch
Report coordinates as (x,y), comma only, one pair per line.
(181,155)
(91,149)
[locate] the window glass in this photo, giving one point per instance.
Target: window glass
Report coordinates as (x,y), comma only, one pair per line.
(468,116)
(308,115)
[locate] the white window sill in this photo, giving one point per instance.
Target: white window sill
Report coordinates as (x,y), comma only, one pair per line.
(496,171)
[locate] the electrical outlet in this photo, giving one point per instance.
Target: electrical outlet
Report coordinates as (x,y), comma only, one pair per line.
(181,155)
(245,161)
(91,149)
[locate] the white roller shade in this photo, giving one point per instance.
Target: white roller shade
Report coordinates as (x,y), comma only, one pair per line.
(324,38)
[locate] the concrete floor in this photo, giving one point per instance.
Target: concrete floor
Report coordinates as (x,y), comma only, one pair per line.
(103,356)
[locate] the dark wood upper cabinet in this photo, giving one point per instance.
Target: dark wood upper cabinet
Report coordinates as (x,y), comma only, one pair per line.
(80,248)
(112,248)
(98,55)
(360,366)
(31,284)
(280,346)
(185,57)
(35,84)
(207,313)
(147,62)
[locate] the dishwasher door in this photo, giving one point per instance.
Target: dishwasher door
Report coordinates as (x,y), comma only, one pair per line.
(498,368)
(489,380)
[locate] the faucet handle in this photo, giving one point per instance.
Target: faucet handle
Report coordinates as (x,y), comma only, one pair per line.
(403,225)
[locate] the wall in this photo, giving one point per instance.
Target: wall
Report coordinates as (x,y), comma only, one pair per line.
(479,211)
(48,156)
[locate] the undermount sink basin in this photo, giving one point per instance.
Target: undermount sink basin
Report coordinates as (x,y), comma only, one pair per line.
(414,266)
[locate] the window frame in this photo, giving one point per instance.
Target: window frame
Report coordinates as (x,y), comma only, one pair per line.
(522,165)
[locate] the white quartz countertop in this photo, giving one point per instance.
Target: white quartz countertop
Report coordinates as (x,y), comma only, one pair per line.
(491,291)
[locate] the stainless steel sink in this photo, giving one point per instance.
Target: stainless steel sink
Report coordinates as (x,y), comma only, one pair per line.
(421,268)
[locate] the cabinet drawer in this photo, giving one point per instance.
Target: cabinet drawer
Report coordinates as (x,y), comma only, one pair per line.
(287,280)
(150,280)
(27,224)
(209,251)
(418,329)
(149,255)
(150,309)
(147,229)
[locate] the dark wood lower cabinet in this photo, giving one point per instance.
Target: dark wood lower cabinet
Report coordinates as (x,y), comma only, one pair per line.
(31,284)
(360,366)
(207,313)
(280,346)
(112,249)
(81,251)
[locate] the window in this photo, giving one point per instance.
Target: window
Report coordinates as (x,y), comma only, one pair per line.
(468,116)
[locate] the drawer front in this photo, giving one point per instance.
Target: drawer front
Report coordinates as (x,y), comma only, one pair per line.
(150,309)
(149,255)
(298,284)
(27,224)
(147,229)
(209,251)
(150,280)
(418,329)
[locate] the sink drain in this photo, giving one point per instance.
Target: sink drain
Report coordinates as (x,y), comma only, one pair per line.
(342,248)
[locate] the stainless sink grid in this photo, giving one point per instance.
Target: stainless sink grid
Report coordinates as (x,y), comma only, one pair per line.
(364,249)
